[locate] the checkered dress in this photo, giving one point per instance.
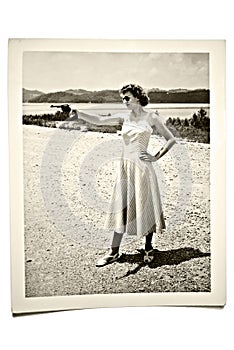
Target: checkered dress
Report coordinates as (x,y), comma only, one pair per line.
(135,206)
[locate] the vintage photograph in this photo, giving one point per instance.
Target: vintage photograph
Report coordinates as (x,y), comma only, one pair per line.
(116,197)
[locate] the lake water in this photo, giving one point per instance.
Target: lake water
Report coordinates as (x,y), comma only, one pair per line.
(166,110)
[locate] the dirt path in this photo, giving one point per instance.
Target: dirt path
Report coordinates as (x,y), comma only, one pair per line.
(68,179)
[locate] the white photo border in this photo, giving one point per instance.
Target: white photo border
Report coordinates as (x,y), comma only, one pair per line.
(217,296)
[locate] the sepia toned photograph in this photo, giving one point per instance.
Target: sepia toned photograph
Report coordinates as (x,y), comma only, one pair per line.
(119,196)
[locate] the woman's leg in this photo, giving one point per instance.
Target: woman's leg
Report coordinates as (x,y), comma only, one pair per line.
(116,241)
(148,241)
(113,254)
(149,253)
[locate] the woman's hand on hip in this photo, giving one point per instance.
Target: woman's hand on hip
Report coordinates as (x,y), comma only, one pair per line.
(147,157)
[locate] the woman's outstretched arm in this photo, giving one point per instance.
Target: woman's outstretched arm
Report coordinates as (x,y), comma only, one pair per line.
(96,119)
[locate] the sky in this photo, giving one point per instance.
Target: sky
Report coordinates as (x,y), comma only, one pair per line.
(59,71)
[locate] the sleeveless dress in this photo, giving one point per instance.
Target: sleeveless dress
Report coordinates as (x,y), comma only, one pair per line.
(135,207)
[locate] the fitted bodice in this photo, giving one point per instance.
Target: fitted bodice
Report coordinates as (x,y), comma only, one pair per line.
(135,137)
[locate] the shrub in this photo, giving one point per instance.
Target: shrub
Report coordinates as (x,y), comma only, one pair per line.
(197,128)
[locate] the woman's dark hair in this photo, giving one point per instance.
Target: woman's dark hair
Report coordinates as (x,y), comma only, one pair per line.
(137,91)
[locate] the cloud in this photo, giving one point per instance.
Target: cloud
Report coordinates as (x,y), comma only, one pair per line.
(63,70)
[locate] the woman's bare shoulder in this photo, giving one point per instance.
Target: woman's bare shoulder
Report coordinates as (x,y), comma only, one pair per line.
(153,117)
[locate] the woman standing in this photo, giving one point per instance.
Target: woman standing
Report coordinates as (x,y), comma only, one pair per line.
(135,207)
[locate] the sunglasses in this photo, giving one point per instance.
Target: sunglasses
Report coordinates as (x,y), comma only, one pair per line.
(126,98)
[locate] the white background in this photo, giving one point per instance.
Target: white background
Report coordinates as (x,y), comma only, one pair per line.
(133,328)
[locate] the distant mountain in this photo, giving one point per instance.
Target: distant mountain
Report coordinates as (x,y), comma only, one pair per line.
(177,90)
(155,90)
(78,96)
(56,97)
(29,94)
(180,96)
(112,96)
(77,91)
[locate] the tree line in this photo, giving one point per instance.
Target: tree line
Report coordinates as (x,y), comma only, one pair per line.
(196,128)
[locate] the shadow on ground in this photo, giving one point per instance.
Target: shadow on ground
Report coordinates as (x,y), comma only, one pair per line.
(161,258)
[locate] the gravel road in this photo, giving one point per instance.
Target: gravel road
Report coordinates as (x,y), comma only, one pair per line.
(68,176)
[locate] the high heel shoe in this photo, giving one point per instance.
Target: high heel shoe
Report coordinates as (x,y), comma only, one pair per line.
(149,256)
(107,259)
